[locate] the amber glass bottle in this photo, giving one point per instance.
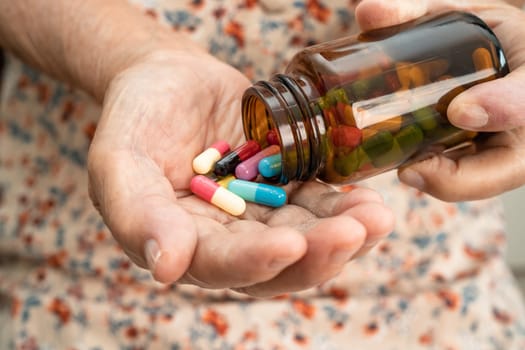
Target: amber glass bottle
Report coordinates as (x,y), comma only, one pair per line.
(359,106)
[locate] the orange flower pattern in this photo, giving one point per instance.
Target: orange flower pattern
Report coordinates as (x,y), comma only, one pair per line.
(437,282)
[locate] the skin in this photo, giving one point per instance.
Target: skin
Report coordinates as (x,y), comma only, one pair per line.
(164,100)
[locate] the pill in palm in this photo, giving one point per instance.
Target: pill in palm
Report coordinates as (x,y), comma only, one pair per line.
(225,180)
(217,195)
(227,164)
(259,193)
(248,169)
(270,167)
(204,162)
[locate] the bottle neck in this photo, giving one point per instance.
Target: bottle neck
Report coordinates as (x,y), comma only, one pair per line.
(281,105)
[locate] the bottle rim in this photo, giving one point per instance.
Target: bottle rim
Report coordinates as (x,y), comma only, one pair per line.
(291,117)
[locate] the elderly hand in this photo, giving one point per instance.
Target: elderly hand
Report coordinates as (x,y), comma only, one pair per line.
(498,165)
(164,101)
(158,114)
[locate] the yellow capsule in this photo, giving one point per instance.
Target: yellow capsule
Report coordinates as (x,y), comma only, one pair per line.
(482,59)
(349,116)
(391,124)
(226,180)
(402,70)
(331,118)
(436,68)
(368,132)
(213,193)
(417,76)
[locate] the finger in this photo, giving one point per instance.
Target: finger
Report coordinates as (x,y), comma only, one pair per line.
(497,105)
(139,206)
(378,220)
(490,172)
(493,106)
(372,14)
(331,244)
(248,255)
(364,205)
(325,201)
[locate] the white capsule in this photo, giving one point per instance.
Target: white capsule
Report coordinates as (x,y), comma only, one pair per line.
(217,195)
(204,162)
(228,201)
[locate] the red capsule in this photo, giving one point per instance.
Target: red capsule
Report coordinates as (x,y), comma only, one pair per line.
(346,136)
(226,165)
(217,195)
(272,138)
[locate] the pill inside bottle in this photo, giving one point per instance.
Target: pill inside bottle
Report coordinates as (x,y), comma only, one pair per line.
(355,107)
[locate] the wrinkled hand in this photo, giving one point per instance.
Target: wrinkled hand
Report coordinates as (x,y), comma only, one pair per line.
(157,115)
(498,164)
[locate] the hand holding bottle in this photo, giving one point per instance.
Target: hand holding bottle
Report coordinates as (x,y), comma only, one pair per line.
(498,164)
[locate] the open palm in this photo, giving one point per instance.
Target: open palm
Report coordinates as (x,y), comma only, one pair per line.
(160,113)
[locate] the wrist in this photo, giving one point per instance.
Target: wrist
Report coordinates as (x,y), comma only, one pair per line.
(125,36)
(84,42)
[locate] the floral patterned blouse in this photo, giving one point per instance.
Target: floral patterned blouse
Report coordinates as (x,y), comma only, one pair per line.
(439,281)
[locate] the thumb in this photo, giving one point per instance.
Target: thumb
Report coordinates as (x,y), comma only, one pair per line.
(493,106)
(372,14)
(140,208)
(470,175)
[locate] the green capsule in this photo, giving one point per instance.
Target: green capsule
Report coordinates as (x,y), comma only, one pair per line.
(391,159)
(378,144)
(323,103)
(426,119)
(348,164)
(340,95)
(335,95)
(363,88)
(409,138)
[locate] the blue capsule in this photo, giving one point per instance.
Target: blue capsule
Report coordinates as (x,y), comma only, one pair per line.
(270,167)
(259,193)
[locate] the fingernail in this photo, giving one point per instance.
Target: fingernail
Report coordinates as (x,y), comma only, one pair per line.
(341,256)
(471,116)
(412,178)
(152,253)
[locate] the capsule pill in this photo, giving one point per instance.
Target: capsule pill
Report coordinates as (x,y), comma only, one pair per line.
(270,167)
(227,164)
(204,162)
(225,180)
(482,59)
(217,195)
(272,196)
(248,169)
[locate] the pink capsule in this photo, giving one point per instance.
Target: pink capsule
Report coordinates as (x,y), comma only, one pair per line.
(204,162)
(249,169)
(213,193)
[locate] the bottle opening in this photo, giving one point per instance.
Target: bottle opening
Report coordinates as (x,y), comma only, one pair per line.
(271,106)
